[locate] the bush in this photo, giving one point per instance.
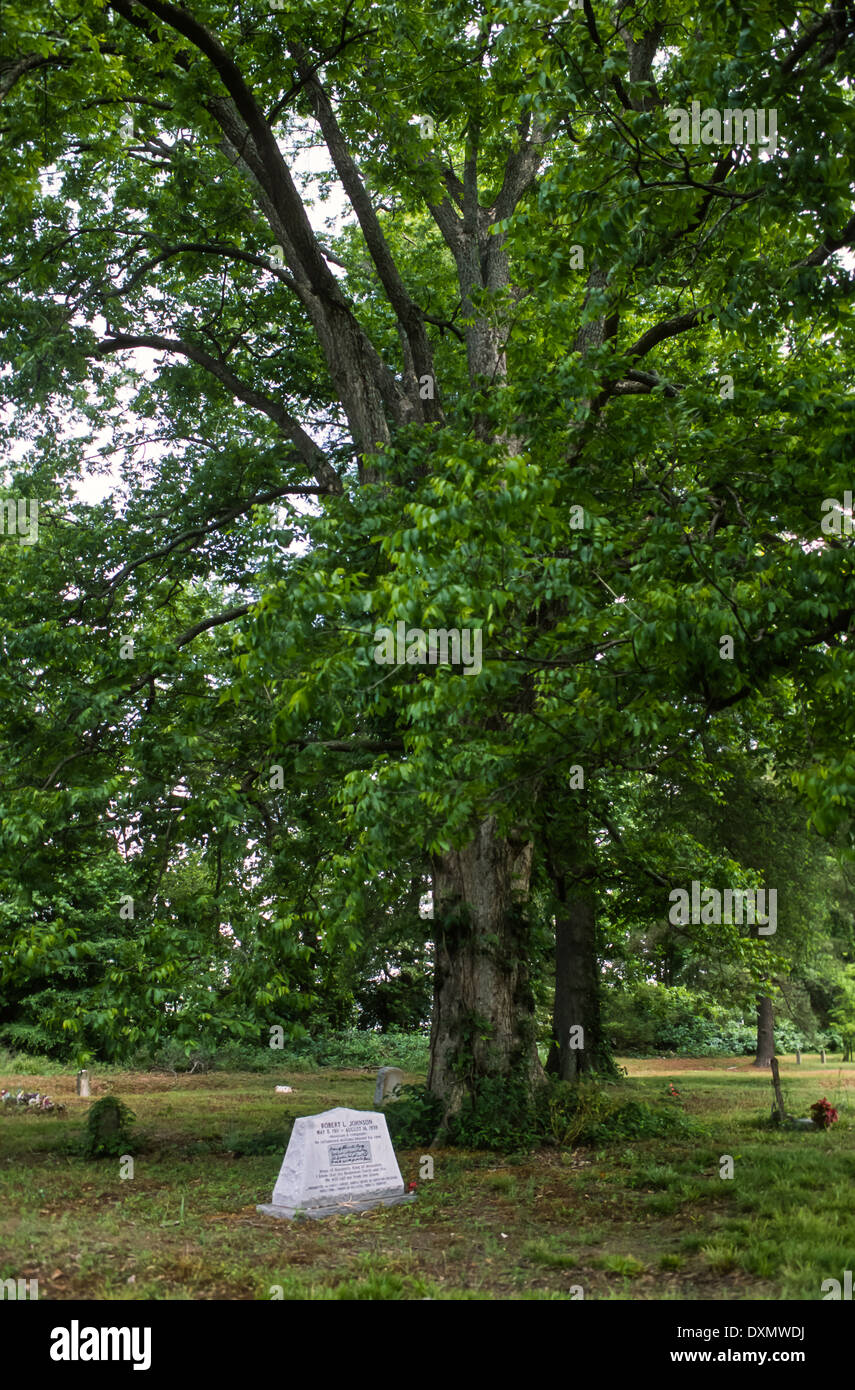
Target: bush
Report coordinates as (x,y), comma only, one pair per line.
(503,1116)
(108,1129)
(414,1118)
(170,1056)
(650,1018)
(354,1047)
(349,1047)
(29,1038)
(500,1116)
(29,1063)
(638,1120)
(574,1107)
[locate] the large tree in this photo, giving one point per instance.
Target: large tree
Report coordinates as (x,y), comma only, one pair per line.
(555,378)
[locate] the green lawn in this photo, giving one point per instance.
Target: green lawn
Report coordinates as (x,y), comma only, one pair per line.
(645,1219)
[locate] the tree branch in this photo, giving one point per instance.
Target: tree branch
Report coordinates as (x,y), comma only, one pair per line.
(829,246)
(520,172)
(364,382)
(405,310)
(197,532)
(669,328)
(229,616)
(205,248)
(328,479)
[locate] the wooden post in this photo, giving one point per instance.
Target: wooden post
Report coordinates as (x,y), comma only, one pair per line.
(83,1083)
(822,1056)
(776,1083)
(798,1056)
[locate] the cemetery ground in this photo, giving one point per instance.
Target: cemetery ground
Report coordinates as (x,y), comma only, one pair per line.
(632,1218)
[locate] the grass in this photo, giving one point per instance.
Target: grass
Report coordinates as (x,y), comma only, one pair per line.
(630,1219)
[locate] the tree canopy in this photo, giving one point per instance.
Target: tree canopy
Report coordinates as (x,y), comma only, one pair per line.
(369,315)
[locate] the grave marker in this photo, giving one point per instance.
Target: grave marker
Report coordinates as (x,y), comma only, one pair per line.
(339,1162)
(387,1079)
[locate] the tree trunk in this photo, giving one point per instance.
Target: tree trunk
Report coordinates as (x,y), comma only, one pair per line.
(483,1016)
(765,1032)
(577,1041)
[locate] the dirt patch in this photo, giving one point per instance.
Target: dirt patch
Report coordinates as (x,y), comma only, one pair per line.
(741,1066)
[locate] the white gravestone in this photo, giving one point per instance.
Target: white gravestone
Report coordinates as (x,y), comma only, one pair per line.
(338,1162)
(387,1079)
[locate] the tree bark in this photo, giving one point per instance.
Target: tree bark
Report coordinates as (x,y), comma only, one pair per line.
(577,985)
(483,1017)
(765,1032)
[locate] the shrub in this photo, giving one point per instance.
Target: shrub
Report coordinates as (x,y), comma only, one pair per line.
(354,1047)
(29,1063)
(27,1038)
(638,1120)
(348,1047)
(414,1118)
(108,1129)
(650,1018)
(503,1116)
(573,1108)
(500,1116)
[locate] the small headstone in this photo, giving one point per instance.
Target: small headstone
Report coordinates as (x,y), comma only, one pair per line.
(336,1163)
(108,1131)
(387,1079)
(108,1121)
(83,1083)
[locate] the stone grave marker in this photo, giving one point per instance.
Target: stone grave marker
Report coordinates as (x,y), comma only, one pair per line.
(107,1121)
(336,1163)
(387,1079)
(83,1083)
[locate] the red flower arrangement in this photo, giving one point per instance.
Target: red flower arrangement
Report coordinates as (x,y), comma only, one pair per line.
(823,1113)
